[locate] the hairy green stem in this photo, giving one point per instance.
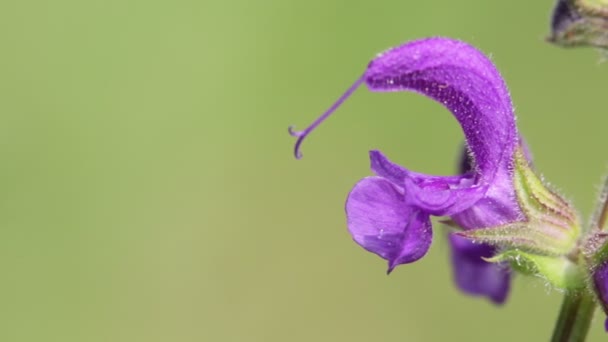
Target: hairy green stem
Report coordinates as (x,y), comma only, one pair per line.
(574,318)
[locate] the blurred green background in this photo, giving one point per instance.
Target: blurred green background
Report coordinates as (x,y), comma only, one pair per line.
(148,190)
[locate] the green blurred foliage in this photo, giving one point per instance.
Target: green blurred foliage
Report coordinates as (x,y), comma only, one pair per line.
(149,193)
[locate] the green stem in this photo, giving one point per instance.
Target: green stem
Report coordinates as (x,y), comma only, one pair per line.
(574,317)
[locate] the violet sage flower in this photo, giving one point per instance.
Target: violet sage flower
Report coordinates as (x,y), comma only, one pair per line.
(496,203)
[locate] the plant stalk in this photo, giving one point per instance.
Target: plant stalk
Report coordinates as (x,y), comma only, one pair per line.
(574,318)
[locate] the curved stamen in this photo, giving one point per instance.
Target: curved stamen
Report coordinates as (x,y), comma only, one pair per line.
(301,135)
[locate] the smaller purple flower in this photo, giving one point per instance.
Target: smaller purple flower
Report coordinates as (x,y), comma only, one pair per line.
(474,275)
(389,214)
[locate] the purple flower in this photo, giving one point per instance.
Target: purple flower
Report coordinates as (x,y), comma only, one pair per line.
(389,214)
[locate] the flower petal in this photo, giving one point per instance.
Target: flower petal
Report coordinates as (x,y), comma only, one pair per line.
(499,204)
(385,168)
(436,195)
(380,221)
(475,276)
(466,82)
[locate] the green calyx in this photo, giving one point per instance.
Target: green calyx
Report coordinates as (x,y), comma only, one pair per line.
(560,272)
(550,227)
(544,243)
(596,248)
(550,218)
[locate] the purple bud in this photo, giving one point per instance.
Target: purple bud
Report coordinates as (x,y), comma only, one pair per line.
(496,198)
(579,23)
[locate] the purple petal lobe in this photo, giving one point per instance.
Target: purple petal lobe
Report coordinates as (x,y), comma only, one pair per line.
(380,221)
(475,276)
(385,168)
(436,195)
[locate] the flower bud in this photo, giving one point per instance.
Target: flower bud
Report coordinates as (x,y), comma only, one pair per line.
(580,23)
(596,257)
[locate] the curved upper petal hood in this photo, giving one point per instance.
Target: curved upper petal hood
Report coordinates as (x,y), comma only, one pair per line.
(398,200)
(462,79)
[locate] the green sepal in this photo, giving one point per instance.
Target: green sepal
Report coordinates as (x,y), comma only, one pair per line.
(593,7)
(549,225)
(560,272)
(596,248)
(521,236)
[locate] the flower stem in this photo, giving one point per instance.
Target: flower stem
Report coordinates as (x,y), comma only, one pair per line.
(574,317)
